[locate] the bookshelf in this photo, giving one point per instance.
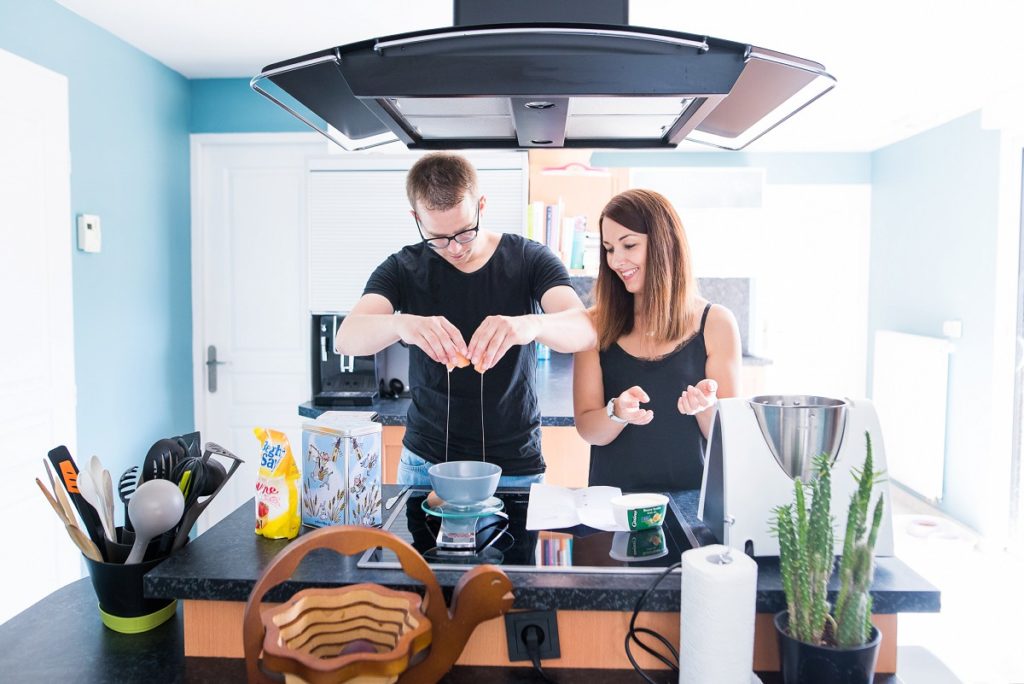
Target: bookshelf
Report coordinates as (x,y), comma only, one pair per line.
(566,193)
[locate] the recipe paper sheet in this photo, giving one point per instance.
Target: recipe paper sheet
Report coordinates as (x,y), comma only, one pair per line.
(554,508)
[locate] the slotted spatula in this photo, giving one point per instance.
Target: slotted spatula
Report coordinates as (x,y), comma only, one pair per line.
(125,488)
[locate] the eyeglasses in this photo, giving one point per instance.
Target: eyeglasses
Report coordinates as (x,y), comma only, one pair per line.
(462,237)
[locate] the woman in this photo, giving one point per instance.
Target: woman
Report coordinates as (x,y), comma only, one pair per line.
(664,355)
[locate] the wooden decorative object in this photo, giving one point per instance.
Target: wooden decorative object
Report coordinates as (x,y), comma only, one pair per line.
(401,636)
(308,635)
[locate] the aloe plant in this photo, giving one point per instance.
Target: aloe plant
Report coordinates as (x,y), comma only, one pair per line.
(806,559)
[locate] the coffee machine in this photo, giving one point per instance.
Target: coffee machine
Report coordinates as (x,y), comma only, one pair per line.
(339,379)
(758,446)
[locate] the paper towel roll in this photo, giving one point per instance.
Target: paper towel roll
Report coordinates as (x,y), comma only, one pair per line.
(716,617)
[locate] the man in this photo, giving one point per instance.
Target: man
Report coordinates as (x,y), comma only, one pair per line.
(464,282)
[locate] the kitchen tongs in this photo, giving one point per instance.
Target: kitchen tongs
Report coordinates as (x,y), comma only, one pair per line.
(195,510)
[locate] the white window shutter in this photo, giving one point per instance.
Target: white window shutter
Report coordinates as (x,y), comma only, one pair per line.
(359,215)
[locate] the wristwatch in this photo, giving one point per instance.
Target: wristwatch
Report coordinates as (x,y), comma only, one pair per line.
(610,410)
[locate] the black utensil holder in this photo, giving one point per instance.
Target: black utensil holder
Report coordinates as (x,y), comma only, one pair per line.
(117,552)
(122,604)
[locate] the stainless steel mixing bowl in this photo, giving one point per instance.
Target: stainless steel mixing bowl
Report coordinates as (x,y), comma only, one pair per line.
(798,428)
(464,483)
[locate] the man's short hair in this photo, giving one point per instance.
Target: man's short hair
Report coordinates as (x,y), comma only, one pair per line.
(440,181)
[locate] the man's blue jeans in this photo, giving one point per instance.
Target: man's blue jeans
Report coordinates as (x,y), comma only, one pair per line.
(412,470)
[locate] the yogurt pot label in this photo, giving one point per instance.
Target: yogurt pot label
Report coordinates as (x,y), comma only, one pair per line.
(645,517)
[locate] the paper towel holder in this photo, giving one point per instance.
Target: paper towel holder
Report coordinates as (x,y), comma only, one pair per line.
(725,557)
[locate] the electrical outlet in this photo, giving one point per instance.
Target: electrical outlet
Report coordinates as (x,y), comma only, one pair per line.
(515,632)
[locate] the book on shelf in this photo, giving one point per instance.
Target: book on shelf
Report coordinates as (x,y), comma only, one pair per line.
(578,233)
(553,228)
(591,252)
(566,236)
(535,222)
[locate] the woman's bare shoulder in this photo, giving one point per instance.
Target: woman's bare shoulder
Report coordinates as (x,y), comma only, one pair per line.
(721,329)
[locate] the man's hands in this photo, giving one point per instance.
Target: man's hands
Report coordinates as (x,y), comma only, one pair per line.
(435,335)
(627,406)
(497,334)
(441,340)
(696,398)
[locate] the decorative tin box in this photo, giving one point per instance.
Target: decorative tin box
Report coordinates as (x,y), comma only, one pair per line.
(341,471)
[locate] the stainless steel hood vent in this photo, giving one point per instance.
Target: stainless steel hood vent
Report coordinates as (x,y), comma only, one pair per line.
(537,85)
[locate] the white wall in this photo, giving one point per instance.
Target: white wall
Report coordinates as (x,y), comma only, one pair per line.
(942,249)
(806,249)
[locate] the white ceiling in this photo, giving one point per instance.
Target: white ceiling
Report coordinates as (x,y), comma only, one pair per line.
(903,66)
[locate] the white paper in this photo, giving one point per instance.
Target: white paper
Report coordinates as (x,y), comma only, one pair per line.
(553,508)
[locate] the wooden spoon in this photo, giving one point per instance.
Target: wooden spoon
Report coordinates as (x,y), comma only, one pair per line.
(80,538)
(60,494)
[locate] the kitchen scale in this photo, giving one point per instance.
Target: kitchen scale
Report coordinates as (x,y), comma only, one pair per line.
(457,539)
(758,446)
(460,530)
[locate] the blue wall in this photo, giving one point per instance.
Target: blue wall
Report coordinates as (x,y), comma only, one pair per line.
(130,165)
(933,241)
(229,105)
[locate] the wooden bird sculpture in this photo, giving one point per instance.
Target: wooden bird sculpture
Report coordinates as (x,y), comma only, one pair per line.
(483,593)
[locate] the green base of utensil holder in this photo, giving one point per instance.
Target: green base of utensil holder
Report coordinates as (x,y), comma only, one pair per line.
(142,623)
(123,605)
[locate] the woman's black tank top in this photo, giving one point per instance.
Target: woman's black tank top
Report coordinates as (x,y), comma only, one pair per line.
(667,453)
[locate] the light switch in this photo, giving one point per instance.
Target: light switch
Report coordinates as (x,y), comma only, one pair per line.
(89,239)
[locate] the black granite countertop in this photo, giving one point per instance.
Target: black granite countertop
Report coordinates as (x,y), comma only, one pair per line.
(225,561)
(554,394)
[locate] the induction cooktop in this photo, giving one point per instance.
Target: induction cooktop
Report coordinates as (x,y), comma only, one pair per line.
(501,538)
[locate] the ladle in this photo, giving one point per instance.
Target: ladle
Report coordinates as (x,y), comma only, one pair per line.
(155,507)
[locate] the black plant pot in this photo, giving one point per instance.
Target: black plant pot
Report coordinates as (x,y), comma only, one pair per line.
(804,663)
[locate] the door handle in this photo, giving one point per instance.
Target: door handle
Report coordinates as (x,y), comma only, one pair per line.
(211,368)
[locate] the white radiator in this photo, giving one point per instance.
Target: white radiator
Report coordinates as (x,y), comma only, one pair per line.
(909,389)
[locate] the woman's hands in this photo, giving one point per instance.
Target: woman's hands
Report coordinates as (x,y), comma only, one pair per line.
(627,406)
(697,398)
(693,400)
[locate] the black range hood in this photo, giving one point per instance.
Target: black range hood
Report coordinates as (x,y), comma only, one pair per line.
(543,83)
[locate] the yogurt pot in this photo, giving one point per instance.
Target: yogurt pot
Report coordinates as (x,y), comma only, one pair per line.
(635,512)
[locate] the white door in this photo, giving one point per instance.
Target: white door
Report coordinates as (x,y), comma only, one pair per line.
(37,368)
(249,295)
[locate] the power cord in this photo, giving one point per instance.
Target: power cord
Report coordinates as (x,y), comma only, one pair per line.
(532,638)
(634,632)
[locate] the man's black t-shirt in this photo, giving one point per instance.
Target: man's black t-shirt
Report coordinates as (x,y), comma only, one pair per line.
(418,281)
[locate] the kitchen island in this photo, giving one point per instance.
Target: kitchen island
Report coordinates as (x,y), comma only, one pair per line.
(213,576)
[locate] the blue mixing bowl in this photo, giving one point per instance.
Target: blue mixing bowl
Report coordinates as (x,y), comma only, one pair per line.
(464,483)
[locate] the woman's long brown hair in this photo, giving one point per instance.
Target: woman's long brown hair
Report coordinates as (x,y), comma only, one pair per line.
(665,304)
